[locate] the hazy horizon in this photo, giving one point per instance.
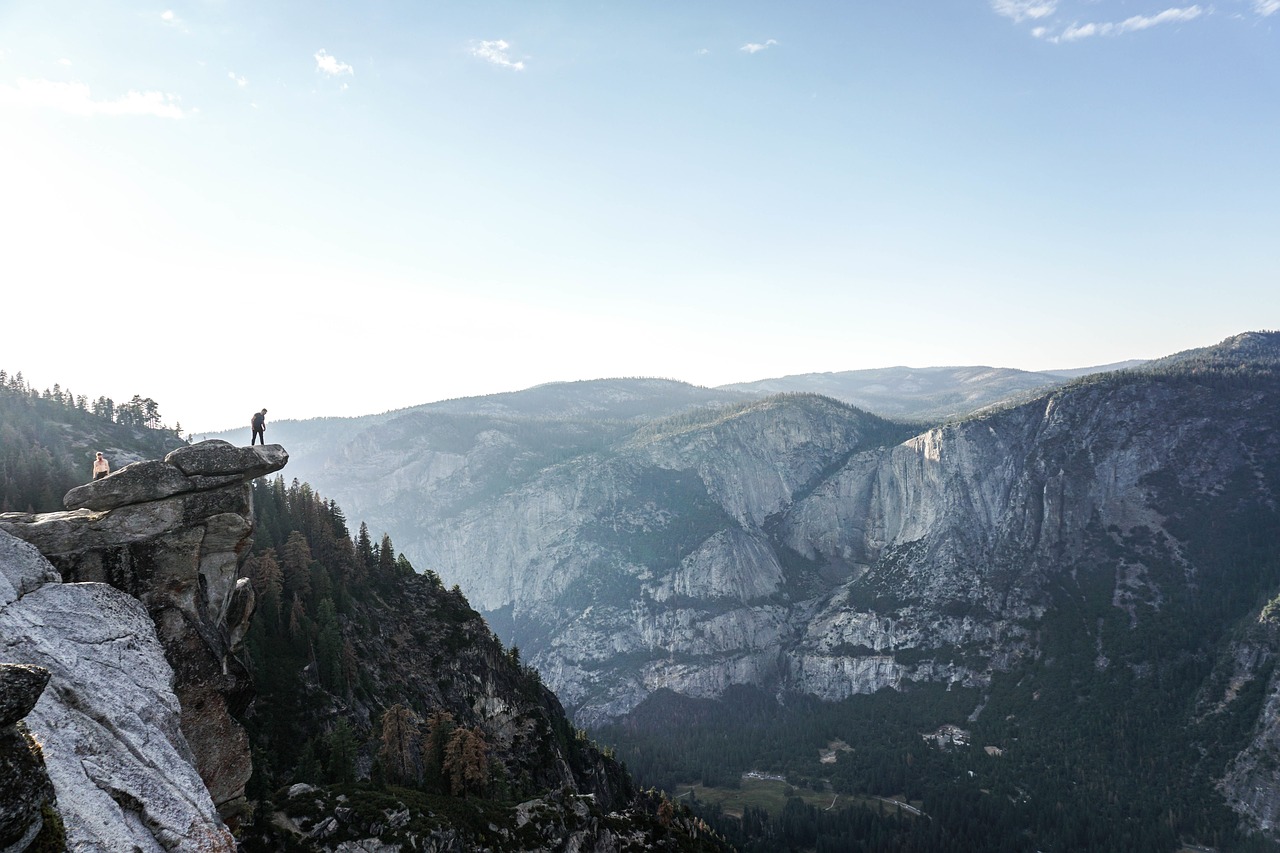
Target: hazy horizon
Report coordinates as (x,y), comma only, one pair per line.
(226,206)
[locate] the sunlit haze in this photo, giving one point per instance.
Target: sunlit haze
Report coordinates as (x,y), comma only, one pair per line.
(338,209)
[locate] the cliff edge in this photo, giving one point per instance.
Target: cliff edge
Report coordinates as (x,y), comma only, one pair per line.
(170,534)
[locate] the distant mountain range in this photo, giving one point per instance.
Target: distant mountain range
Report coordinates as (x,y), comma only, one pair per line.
(923,393)
(1064,551)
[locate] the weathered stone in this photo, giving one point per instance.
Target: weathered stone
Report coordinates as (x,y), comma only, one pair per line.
(25,789)
(216,457)
(109,720)
(20,687)
(26,570)
(132,484)
(240,611)
(175,542)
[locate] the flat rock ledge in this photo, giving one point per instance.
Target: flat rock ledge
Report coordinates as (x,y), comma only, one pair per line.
(198,467)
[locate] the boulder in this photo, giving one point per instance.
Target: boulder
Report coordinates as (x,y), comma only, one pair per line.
(132,484)
(20,687)
(25,790)
(219,458)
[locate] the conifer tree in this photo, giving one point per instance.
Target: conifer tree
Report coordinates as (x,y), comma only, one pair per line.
(342,752)
(466,762)
(440,728)
(329,645)
(401,741)
(386,558)
(364,550)
(297,566)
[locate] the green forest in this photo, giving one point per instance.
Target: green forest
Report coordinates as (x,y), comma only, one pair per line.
(1083,757)
(366,674)
(48,440)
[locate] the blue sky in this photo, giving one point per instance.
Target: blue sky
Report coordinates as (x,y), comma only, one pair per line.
(336,208)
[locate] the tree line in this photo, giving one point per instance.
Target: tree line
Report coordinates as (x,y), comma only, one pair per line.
(137,412)
(47,440)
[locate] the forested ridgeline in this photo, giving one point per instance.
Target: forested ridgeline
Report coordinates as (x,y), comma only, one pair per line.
(1073,778)
(378,685)
(1071,750)
(48,440)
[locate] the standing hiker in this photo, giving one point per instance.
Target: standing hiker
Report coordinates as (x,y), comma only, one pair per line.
(259,425)
(100,466)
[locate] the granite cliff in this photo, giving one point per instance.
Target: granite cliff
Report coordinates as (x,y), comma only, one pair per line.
(804,546)
(133,603)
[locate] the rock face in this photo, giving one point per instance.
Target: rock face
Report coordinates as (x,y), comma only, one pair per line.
(171,534)
(800,545)
(26,793)
(108,722)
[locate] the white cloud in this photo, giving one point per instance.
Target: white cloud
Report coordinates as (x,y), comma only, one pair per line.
(1039,32)
(1132,24)
(64,61)
(1083,31)
(495,52)
(76,99)
(1266,8)
(702,51)
(239,79)
(1142,22)
(329,64)
(1021,10)
(753,47)
(172,20)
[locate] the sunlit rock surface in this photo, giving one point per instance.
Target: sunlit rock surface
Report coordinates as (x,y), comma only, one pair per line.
(109,721)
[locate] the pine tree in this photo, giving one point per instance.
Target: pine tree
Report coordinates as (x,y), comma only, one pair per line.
(329,645)
(342,753)
(386,558)
(440,728)
(297,566)
(364,550)
(466,762)
(401,741)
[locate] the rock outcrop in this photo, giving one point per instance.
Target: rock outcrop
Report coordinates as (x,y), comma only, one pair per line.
(171,534)
(108,723)
(26,794)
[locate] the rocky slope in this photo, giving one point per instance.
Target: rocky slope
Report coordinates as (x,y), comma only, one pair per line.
(135,613)
(109,721)
(143,584)
(802,545)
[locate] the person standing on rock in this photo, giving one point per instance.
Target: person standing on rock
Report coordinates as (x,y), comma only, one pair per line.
(101,467)
(259,425)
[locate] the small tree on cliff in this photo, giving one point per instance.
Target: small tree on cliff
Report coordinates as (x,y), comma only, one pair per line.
(386,558)
(466,762)
(440,728)
(365,558)
(401,741)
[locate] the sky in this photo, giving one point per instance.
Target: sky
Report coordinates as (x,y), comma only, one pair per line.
(344,208)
